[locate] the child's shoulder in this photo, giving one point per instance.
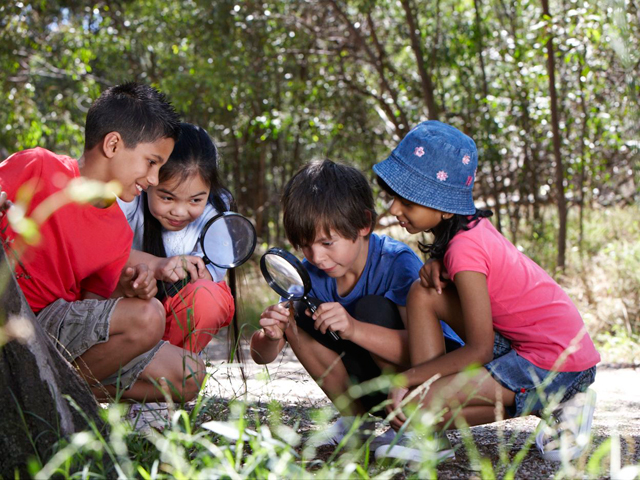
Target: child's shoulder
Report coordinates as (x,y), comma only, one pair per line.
(477,230)
(39,164)
(385,245)
(387,255)
(41,155)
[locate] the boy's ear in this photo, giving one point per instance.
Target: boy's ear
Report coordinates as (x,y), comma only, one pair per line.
(366,230)
(111,144)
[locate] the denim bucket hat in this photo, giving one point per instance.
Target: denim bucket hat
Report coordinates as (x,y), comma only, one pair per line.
(435,166)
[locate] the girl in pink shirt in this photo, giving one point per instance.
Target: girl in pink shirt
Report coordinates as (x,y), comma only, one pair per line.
(516,321)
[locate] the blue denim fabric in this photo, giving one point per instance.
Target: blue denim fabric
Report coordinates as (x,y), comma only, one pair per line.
(434,165)
(531,384)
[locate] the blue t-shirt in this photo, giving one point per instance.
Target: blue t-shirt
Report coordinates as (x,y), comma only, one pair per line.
(390,270)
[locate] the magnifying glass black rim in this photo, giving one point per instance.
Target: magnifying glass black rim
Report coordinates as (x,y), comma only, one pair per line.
(237,262)
(295,263)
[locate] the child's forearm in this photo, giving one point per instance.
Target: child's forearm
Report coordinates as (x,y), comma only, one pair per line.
(137,257)
(388,344)
(264,349)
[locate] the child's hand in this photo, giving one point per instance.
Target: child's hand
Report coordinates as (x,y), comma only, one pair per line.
(396,395)
(333,317)
(176,268)
(275,320)
(434,275)
(138,281)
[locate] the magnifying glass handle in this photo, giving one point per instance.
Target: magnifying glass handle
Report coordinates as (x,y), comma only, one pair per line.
(312,309)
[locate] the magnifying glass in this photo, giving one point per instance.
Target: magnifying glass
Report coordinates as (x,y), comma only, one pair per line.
(227,241)
(287,276)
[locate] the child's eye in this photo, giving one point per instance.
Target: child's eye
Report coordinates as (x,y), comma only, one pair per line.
(152,162)
(166,199)
(196,200)
(327,244)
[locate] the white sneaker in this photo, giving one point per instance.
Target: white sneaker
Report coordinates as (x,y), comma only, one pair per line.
(334,434)
(386,438)
(146,416)
(570,435)
(415,456)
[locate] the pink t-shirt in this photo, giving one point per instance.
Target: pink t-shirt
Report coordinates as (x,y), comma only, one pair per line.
(528,307)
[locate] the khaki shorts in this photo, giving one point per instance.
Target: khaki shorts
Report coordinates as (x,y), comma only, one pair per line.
(78,326)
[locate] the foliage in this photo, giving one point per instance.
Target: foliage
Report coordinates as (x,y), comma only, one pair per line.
(280,83)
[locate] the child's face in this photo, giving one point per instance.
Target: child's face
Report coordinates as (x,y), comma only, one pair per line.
(336,255)
(416,218)
(177,203)
(137,168)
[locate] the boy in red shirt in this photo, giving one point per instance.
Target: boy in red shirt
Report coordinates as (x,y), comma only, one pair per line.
(75,275)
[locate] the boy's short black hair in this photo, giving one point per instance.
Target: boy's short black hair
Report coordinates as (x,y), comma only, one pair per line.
(138,112)
(326,196)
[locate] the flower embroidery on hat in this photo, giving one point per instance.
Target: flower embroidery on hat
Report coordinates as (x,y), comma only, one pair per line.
(466,159)
(442,175)
(419,151)
(469,180)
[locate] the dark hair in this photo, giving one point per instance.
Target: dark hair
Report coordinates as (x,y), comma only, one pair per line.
(445,230)
(139,113)
(325,195)
(194,153)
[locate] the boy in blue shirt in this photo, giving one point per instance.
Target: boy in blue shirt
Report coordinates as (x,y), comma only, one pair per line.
(360,282)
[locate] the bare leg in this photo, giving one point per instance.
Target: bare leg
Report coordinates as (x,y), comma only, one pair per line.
(173,372)
(326,368)
(425,309)
(477,399)
(136,326)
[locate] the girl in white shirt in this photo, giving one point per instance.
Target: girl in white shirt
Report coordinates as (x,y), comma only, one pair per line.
(167,220)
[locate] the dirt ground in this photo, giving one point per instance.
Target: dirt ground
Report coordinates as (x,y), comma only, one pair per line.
(286,381)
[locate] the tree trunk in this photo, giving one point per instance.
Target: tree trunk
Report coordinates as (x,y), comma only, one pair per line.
(35,381)
(555,126)
(425,75)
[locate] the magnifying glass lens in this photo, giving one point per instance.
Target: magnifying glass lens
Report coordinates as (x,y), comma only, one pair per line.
(284,276)
(229,240)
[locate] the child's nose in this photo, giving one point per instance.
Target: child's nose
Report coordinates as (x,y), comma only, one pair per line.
(178,209)
(395,209)
(152,179)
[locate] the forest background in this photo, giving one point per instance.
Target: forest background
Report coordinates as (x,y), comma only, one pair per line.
(548,90)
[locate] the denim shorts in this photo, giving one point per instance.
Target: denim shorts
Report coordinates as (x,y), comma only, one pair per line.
(75,327)
(533,386)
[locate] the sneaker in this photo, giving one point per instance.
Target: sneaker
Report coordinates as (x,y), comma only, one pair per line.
(387,438)
(146,416)
(333,435)
(415,456)
(569,435)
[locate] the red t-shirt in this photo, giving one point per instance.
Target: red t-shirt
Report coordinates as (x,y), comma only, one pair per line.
(82,247)
(528,307)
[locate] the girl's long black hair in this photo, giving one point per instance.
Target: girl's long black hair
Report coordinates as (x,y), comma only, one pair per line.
(194,153)
(445,230)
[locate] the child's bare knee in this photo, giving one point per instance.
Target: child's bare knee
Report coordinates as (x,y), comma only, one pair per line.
(145,323)
(419,293)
